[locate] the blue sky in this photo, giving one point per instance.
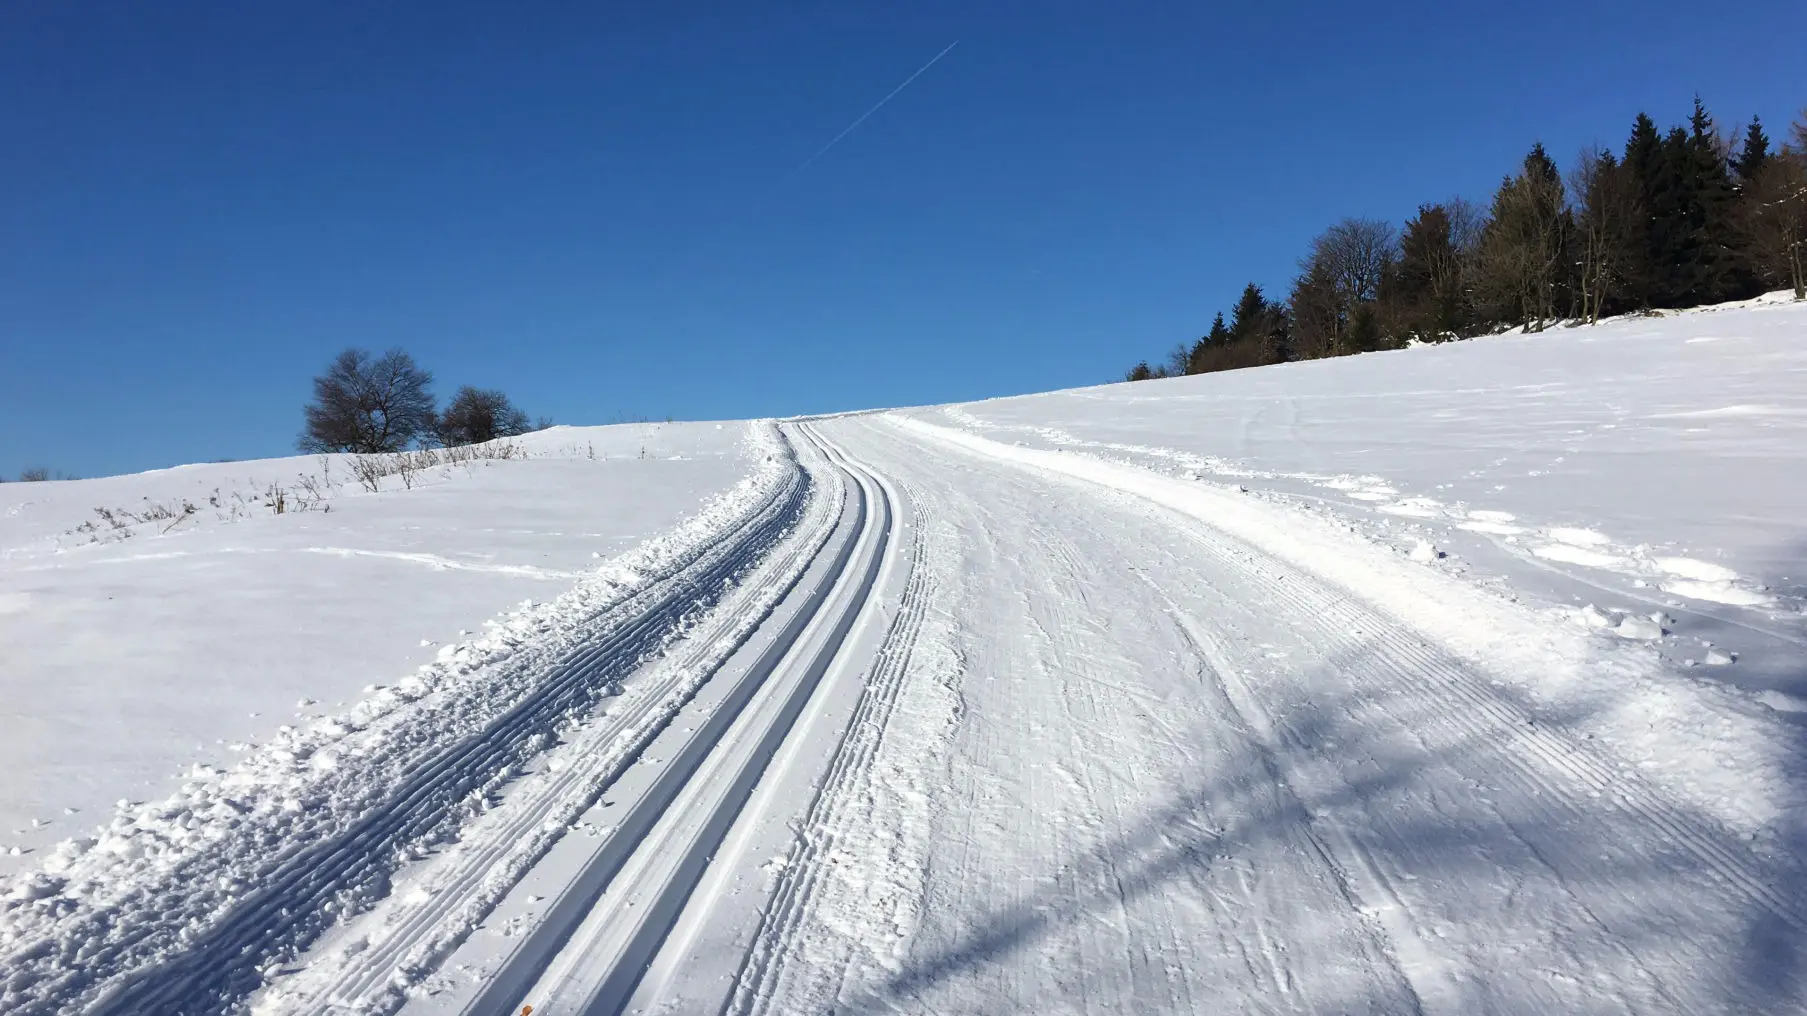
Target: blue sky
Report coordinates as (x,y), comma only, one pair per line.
(599,210)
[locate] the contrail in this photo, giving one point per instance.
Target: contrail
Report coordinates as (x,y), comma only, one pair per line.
(862,118)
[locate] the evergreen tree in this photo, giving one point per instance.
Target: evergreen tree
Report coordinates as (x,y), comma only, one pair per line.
(1249,318)
(1716,268)
(1679,221)
(1644,164)
(1217,338)
(1422,297)
(1754,154)
(1219,334)
(1364,330)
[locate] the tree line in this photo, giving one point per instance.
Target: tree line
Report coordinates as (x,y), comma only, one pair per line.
(371,404)
(39,474)
(1677,219)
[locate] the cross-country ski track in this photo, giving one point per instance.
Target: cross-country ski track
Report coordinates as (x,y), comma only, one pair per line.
(918,721)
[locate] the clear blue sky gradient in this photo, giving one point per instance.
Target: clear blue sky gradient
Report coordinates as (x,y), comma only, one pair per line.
(599,210)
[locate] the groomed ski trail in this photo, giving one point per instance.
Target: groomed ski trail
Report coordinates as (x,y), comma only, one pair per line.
(414,935)
(1209,760)
(841,808)
(970,727)
(591,959)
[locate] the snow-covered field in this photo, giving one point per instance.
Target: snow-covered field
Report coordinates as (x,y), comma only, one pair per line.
(1643,465)
(1458,679)
(134,651)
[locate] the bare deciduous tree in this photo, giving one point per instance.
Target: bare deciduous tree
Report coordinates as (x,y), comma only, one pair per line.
(1522,246)
(1606,220)
(36,474)
(1354,254)
(1774,220)
(1343,271)
(476,415)
(365,403)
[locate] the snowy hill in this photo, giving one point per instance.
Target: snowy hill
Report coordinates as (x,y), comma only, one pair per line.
(1461,678)
(1641,465)
(136,649)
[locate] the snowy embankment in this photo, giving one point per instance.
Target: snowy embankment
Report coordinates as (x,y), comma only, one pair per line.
(1647,475)
(142,639)
(263,854)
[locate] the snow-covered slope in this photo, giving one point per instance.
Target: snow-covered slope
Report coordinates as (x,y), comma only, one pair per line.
(1649,464)
(1461,679)
(131,650)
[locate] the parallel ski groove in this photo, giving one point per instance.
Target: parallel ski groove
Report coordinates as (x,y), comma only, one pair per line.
(653,921)
(532,957)
(829,814)
(366,982)
(221,962)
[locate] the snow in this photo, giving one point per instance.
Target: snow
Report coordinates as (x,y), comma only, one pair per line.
(126,661)
(1460,679)
(1638,460)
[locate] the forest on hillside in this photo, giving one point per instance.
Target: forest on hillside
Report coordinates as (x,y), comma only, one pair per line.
(1679,218)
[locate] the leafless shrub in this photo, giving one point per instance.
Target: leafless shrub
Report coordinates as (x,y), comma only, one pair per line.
(188,511)
(369,471)
(118,521)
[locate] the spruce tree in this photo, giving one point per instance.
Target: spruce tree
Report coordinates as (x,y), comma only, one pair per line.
(1204,349)
(1644,165)
(1674,229)
(1248,319)
(1717,269)
(1414,292)
(1364,330)
(1219,334)
(1750,159)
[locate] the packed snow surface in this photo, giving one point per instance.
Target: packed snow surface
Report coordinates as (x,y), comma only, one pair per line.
(1459,679)
(1648,463)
